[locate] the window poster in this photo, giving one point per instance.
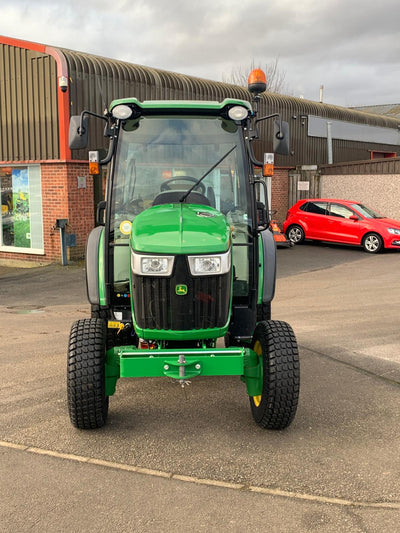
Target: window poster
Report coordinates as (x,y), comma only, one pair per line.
(21,224)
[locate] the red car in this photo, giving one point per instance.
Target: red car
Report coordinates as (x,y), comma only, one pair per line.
(341,221)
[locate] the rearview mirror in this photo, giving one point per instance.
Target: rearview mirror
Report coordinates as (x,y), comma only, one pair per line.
(78,132)
(281,137)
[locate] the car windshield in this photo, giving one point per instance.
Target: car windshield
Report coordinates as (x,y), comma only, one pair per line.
(158,155)
(365,211)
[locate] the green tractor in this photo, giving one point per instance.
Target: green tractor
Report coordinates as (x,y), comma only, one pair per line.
(183,256)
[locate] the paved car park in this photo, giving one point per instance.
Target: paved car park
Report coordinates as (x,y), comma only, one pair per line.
(167,460)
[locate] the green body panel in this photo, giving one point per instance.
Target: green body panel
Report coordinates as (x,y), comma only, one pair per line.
(180,104)
(102,281)
(180,229)
(180,335)
(128,361)
(260,271)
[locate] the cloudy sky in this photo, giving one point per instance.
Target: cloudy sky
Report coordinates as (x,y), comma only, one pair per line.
(351,47)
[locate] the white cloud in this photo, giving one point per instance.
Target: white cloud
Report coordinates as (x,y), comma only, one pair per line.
(350,48)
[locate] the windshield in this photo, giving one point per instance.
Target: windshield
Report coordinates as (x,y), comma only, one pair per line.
(159,156)
(365,211)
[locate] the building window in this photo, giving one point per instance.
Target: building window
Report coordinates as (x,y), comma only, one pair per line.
(382,155)
(21,223)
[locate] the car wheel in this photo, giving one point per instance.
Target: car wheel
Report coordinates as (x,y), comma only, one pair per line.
(295,234)
(372,243)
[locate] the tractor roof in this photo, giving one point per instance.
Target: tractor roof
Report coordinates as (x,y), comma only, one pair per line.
(201,105)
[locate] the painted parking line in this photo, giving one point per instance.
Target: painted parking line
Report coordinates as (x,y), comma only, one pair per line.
(199,481)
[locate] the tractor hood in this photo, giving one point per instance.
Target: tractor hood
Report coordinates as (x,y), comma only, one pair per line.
(180,229)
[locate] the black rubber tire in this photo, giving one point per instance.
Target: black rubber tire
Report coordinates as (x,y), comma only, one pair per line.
(277,406)
(264,311)
(87,401)
(295,234)
(372,243)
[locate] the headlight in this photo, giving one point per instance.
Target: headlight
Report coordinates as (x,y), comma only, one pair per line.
(394,231)
(152,265)
(208,265)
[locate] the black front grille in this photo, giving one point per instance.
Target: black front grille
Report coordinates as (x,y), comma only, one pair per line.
(157,306)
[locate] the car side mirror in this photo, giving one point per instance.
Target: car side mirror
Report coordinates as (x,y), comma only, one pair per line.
(354,217)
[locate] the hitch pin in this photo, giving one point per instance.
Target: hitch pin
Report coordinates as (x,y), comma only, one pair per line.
(182,362)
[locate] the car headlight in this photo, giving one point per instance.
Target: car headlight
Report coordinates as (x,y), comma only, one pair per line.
(152,265)
(208,265)
(394,231)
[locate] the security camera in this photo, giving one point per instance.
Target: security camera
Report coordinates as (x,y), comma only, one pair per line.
(63,83)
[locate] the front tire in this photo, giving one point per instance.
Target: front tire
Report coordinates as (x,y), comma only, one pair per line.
(275,343)
(87,401)
(295,234)
(372,243)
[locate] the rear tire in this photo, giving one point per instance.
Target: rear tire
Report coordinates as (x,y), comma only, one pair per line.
(372,243)
(87,401)
(295,234)
(276,345)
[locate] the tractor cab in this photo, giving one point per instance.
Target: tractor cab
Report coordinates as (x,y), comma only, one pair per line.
(183,256)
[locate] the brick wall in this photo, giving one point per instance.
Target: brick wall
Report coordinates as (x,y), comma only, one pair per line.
(280,194)
(61,198)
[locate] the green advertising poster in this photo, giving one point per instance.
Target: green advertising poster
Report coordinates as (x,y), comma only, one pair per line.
(22,224)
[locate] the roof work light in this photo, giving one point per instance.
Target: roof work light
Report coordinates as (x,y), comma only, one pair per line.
(257,82)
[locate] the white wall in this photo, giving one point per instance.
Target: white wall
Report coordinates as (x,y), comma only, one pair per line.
(380,192)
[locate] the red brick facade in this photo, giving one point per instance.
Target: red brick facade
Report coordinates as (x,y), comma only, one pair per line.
(280,194)
(61,198)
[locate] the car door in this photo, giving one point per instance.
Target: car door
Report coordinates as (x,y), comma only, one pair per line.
(314,219)
(340,226)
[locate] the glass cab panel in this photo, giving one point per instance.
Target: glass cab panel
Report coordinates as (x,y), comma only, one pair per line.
(158,155)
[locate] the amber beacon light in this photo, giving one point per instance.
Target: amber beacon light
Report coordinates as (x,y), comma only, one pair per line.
(257,81)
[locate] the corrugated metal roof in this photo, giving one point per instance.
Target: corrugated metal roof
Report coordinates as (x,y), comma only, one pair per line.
(36,131)
(390,110)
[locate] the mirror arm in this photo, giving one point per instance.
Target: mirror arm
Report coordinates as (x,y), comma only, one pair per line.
(110,153)
(81,130)
(279,134)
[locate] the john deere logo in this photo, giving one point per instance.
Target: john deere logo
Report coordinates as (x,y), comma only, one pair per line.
(181,290)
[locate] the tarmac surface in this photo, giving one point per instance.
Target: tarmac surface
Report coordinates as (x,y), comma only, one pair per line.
(169,460)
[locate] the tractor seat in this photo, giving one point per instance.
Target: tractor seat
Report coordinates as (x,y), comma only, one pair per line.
(173,197)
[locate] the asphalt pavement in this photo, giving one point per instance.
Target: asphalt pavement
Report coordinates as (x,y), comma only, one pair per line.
(169,460)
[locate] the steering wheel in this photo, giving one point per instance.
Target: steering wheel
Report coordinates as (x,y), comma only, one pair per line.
(165,186)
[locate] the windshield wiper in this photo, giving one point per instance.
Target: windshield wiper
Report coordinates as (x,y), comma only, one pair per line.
(184,196)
